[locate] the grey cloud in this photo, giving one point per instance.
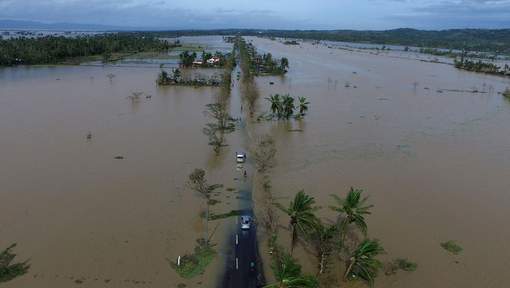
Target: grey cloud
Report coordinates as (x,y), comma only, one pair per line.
(459,14)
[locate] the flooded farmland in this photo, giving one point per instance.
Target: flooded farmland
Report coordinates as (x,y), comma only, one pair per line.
(428,143)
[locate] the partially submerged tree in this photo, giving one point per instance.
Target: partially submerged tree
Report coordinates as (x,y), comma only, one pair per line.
(302,217)
(282,106)
(218,111)
(9,270)
(216,137)
(288,274)
(224,123)
(362,263)
(322,238)
(187,58)
(264,154)
(303,105)
(288,106)
(353,209)
(276,104)
(198,183)
(284,64)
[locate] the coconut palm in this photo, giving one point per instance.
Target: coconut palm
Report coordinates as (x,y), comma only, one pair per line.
(8,269)
(362,263)
(303,105)
(288,274)
(354,208)
(322,238)
(301,213)
(288,106)
(276,104)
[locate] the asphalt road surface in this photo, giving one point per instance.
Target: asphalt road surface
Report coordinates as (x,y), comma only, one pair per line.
(244,268)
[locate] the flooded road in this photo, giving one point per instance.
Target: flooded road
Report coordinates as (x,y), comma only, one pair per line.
(436,164)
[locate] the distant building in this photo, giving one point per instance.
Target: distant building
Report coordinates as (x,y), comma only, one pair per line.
(213,60)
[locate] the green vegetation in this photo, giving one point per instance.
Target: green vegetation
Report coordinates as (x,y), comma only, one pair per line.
(176,79)
(506,93)
(57,50)
(354,210)
(482,67)
(192,265)
(483,40)
(224,123)
(323,239)
(301,214)
(400,264)
(232,213)
(187,58)
(452,247)
(218,111)
(266,65)
(283,107)
(198,183)
(291,42)
(9,270)
(326,239)
(362,264)
(253,63)
(264,155)
(288,274)
(438,52)
(207,60)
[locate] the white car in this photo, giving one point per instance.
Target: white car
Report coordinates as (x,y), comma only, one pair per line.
(240,157)
(245,222)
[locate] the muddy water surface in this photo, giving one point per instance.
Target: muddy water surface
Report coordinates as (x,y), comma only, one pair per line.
(435,162)
(83,217)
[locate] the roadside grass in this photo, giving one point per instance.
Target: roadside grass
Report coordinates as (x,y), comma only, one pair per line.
(232,213)
(452,247)
(195,264)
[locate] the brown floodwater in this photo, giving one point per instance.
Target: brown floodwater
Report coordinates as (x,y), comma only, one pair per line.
(436,164)
(84,218)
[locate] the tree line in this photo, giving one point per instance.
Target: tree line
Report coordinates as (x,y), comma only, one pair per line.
(482,40)
(55,50)
(481,67)
(260,64)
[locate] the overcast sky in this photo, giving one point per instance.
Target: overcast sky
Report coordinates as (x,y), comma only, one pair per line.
(278,14)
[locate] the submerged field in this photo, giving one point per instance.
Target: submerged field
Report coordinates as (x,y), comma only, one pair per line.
(434,161)
(433,157)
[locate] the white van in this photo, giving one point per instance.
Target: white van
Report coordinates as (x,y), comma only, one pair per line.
(240,157)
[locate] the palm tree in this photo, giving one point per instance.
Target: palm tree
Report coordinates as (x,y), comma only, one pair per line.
(288,106)
(302,218)
(276,104)
(8,269)
(288,274)
(284,64)
(354,208)
(362,264)
(303,105)
(322,238)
